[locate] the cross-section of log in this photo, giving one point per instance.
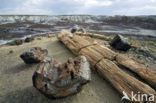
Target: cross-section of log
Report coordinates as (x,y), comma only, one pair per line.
(102,59)
(57,80)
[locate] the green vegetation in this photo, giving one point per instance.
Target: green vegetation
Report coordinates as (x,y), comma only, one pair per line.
(91,35)
(138,56)
(15,42)
(151,43)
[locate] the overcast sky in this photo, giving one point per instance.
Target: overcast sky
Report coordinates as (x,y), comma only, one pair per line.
(94,7)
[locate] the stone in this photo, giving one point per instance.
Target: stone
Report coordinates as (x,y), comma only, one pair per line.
(76,28)
(29,39)
(39,38)
(56,80)
(50,35)
(11,51)
(34,55)
(120,43)
(18,42)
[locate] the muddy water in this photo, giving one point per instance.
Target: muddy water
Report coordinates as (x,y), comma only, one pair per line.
(16,78)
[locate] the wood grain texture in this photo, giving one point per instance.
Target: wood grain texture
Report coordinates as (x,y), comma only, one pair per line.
(102,60)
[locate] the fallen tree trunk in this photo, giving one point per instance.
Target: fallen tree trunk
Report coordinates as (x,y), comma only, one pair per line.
(101,59)
(147,74)
(103,37)
(95,36)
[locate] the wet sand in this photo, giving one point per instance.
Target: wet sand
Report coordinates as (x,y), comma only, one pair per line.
(16,77)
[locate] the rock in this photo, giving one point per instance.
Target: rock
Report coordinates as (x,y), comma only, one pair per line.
(120,43)
(34,55)
(15,42)
(19,42)
(50,35)
(57,80)
(11,51)
(29,39)
(39,38)
(76,28)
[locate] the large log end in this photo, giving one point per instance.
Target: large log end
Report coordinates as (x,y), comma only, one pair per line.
(57,80)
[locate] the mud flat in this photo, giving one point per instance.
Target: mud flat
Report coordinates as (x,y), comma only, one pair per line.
(16,77)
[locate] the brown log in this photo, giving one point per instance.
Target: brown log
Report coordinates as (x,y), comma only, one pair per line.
(103,37)
(101,58)
(80,43)
(145,73)
(98,36)
(121,80)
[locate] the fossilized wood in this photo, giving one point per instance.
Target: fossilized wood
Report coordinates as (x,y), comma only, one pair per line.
(145,73)
(101,58)
(56,80)
(103,37)
(98,36)
(34,55)
(75,43)
(121,80)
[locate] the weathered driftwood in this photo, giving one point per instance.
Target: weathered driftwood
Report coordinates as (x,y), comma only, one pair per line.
(101,58)
(57,80)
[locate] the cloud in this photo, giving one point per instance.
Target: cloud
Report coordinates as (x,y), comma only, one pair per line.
(90,3)
(146,10)
(95,7)
(153,0)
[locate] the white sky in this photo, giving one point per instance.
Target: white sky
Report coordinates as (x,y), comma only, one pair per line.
(94,7)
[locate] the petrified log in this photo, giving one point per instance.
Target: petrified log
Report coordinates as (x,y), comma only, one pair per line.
(120,43)
(34,55)
(145,73)
(57,80)
(103,37)
(102,60)
(98,36)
